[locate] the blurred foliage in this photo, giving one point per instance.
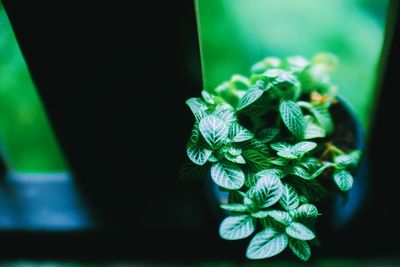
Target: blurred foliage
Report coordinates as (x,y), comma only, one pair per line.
(26,140)
(234,34)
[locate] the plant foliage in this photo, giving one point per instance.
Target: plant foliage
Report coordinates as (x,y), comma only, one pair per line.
(267,139)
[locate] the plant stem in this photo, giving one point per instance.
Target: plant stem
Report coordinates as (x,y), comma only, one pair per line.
(304,104)
(336,150)
(331,148)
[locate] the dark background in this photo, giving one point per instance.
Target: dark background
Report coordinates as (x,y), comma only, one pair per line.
(114,78)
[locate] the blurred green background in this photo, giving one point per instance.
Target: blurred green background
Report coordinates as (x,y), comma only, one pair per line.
(234,34)
(27,143)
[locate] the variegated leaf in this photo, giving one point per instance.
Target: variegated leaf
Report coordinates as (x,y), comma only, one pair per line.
(227,175)
(300,248)
(266,244)
(267,191)
(289,199)
(293,117)
(238,133)
(214,130)
(299,231)
(236,227)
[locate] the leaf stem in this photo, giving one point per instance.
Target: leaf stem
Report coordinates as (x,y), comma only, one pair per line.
(336,150)
(331,148)
(304,104)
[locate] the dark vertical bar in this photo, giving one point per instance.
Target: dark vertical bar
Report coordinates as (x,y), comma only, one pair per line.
(384,145)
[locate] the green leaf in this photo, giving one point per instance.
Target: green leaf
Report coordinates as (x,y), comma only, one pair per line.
(235,159)
(208,98)
(325,166)
(312,129)
(274,172)
(300,248)
(306,213)
(258,67)
(251,179)
(256,160)
(235,151)
(303,199)
(351,159)
(225,92)
(303,147)
(260,214)
(299,231)
(214,130)
(287,154)
(268,134)
(289,199)
(311,189)
(293,118)
(198,107)
(196,150)
(321,113)
(301,172)
(280,216)
(260,107)
(227,175)
(274,73)
(288,151)
(343,179)
(240,82)
(250,97)
(279,146)
(267,191)
(296,63)
(266,63)
(313,78)
(239,134)
(284,150)
(226,115)
(342,161)
(285,84)
(271,62)
(236,227)
(190,171)
(279,161)
(310,163)
(327,62)
(212,158)
(258,80)
(254,144)
(198,153)
(248,202)
(266,244)
(309,168)
(234,207)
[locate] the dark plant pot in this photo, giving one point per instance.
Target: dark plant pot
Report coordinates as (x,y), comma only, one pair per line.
(338,211)
(343,209)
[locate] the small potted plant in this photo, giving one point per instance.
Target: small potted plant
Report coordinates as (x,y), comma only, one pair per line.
(276,144)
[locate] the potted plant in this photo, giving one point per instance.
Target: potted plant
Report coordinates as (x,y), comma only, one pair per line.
(276,144)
